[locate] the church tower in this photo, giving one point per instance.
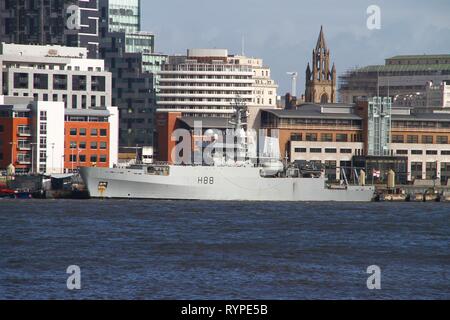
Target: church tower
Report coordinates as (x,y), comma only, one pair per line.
(320,79)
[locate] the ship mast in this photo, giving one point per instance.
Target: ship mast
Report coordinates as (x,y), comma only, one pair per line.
(239,126)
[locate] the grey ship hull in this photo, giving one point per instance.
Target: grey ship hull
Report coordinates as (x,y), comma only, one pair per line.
(214,183)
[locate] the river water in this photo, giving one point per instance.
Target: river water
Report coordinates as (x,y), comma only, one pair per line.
(217,250)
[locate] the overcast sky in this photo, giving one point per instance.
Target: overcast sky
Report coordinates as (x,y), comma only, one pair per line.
(284,32)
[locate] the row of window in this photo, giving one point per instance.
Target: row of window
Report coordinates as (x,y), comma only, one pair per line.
(60,82)
(93,133)
(94,145)
(326,137)
(426,139)
(56,98)
(421,152)
(82,158)
(319,150)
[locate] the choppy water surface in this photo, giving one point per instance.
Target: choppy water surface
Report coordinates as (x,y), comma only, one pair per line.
(217,250)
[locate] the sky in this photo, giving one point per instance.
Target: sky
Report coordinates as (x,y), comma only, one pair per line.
(284,32)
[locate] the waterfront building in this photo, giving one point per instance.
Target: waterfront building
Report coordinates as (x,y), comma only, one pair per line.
(327,135)
(207,82)
(264,88)
(54,73)
(401,76)
(336,136)
(129,54)
(44,137)
(73,23)
(321,76)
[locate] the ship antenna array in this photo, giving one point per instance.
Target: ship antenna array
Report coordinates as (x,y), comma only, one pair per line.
(240,107)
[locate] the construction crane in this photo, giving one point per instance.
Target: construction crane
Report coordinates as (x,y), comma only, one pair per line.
(294,76)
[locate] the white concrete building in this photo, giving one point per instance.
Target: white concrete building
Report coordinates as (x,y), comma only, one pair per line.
(48,118)
(54,73)
(206,82)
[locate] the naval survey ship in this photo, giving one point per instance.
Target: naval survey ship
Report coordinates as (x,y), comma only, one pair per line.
(261,180)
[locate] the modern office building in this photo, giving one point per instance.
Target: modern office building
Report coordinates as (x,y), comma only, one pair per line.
(129,54)
(73,23)
(334,135)
(44,137)
(400,76)
(328,135)
(207,82)
(54,73)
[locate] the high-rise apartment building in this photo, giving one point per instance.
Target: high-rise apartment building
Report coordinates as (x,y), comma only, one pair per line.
(206,83)
(73,23)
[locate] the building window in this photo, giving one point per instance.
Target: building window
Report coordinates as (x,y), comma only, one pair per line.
(73,158)
(315,150)
(341,137)
(79,83)
(103,145)
(103,158)
(1,128)
(431,170)
(94,145)
(442,139)
(73,131)
(296,137)
(73,145)
(82,158)
(103,132)
(413,139)
(74,102)
(416,152)
(445,152)
(416,170)
(330,150)
(427,139)
(326,137)
(311,137)
(432,152)
(82,131)
(21,80)
(40,81)
(82,145)
(93,158)
(346,151)
(398,139)
(300,150)
(402,152)
(94,132)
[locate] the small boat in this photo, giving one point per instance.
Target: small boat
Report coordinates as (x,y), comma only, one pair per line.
(15,194)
